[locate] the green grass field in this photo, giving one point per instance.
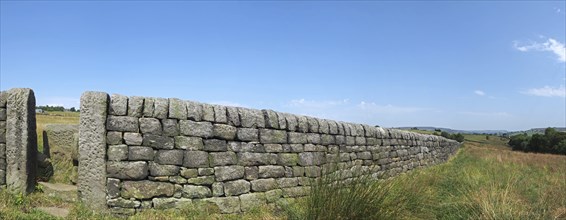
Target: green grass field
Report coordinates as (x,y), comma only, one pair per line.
(485,180)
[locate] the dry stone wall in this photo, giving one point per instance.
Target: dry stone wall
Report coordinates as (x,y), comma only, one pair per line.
(138,153)
(18,140)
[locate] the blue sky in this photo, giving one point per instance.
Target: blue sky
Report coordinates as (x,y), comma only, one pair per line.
(462,65)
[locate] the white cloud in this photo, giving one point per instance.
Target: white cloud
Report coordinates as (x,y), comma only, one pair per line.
(547,91)
(479,92)
(550,45)
(317,104)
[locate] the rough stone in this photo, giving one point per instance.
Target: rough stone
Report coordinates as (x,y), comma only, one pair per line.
(215,145)
(189,143)
(248,134)
(197,129)
(312,171)
(195,159)
(220,115)
(205,171)
(113,187)
(194,110)
(262,185)
(127,170)
(268,136)
(217,189)
(92,150)
(148,107)
(236,187)
(273,195)
(271,120)
(254,159)
(297,138)
(196,192)
(251,118)
(251,201)
(225,132)
(273,148)
(61,141)
(228,173)
(201,180)
(311,158)
(156,169)
(112,138)
(313,124)
(171,157)
(118,105)
(122,123)
(233,116)
(287,182)
(251,173)
(298,191)
(188,173)
(271,171)
(281,120)
(170,203)
(140,153)
(177,109)
(170,127)
(135,106)
(287,159)
(161,108)
(158,142)
(207,112)
(146,189)
(117,152)
(302,124)
(133,138)
(150,126)
(124,203)
(222,158)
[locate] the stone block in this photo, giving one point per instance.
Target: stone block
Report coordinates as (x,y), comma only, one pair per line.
(292,122)
(323,126)
(271,120)
(113,187)
(262,185)
(215,145)
(236,187)
(146,189)
(189,143)
(287,159)
(281,120)
(170,127)
(297,138)
(312,124)
(158,141)
(268,136)
(122,123)
(194,110)
(156,169)
(150,126)
(197,129)
(170,157)
(287,182)
(189,173)
(207,112)
(313,138)
(251,118)
(226,205)
(222,158)
(251,173)
(127,170)
(245,147)
(220,115)
(60,141)
(123,203)
(112,138)
(177,109)
(117,152)
(133,138)
(293,192)
(92,150)
(201,180)
(313,171)
(196,192)
(273,195)
(271,171)
(247,134)
(140,153)
(217,189)
(148,107)
(228,173)
(327,139)
(171,203)
(161,108)
(311,158)
(233,116)
(118,105)
(135,106)
(225,132)
(254,159)
(205,171)
(273,148)
(195,159)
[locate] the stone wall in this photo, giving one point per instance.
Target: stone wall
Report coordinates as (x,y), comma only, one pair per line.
(18,140)
(137,153)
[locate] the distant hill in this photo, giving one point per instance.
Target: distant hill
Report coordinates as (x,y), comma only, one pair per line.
(494,132)
(454,131)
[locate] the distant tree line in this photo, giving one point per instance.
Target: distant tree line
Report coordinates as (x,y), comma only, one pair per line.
(457,137)
(55,108)
(551,141)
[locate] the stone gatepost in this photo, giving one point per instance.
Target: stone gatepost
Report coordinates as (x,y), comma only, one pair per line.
(92,150)
(21,140)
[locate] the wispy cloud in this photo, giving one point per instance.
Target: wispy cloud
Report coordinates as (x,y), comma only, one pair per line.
(486,114)
(551,45)
(547,91)
(479,92)
(388,109)
(317,104)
